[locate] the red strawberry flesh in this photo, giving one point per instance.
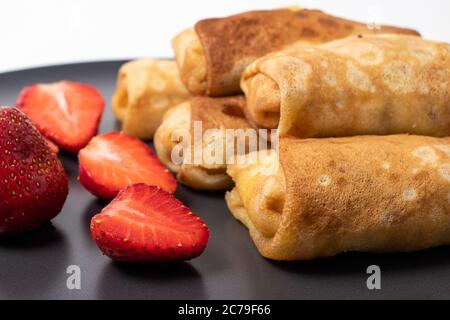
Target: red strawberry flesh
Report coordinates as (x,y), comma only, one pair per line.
(113,161)
(145,224)
(67,113)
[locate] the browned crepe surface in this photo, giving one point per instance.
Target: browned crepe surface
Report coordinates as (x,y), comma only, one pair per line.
(372,84)
(213,113)
(231,44)
(366,193)
(219,113)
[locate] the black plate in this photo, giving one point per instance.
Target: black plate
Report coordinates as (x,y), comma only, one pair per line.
(35,265)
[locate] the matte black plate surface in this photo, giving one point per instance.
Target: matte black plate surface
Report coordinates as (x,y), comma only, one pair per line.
(34,266)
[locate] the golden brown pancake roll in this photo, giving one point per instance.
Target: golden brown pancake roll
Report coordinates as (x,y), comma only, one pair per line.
(371,84)
(146,89)
(212,56)
(321,197)
(213,113)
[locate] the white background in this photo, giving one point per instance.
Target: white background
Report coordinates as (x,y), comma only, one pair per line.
(42,32)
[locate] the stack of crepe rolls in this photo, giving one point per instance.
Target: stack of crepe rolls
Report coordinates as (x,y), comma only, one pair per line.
(376,192)
(371,84)
(146,89)
(183,144)
(363,163)
(320,197)
(212,56)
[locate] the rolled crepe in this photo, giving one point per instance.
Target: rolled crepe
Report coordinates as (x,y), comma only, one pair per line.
(212,56)
(218,114)
(146,89)
(169,134)
(320,197)
(371,84)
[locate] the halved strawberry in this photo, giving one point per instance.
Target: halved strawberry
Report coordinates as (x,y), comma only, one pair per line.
(145,224)
(67,113)
(114,161)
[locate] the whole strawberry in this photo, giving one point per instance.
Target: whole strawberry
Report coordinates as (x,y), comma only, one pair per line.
(33,183)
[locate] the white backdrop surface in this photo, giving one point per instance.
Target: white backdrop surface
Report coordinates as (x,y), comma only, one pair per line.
(43,32)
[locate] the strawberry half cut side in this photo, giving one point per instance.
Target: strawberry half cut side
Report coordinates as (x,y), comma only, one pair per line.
(145,224)
(114,161)
(67,113)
